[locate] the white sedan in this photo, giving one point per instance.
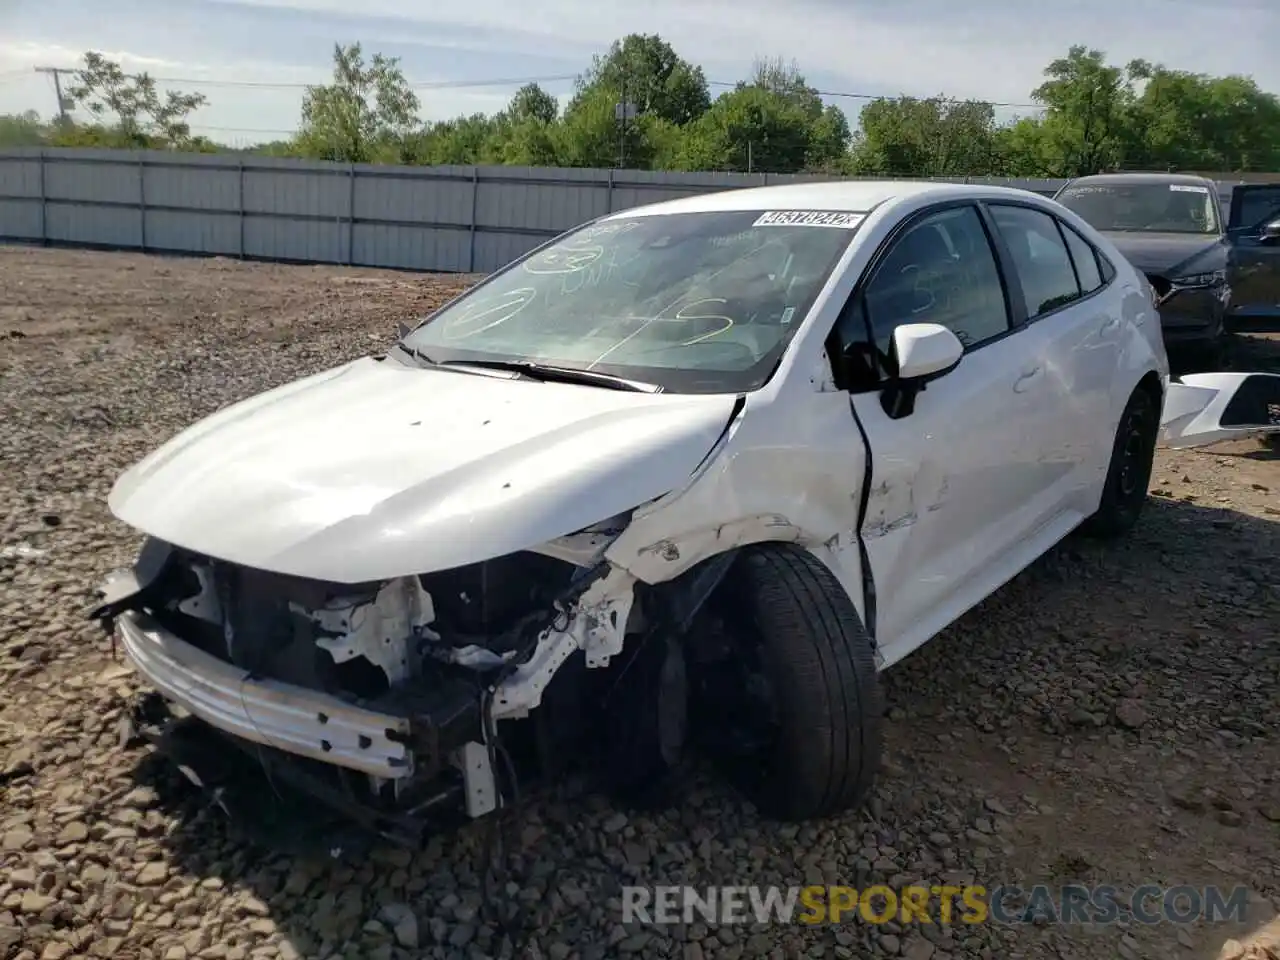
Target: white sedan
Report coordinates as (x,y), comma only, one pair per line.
(689,474)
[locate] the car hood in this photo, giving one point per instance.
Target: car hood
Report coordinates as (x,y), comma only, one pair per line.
(376,469)
(1169,254)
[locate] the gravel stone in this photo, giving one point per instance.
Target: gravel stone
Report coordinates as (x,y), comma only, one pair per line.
(1108,715)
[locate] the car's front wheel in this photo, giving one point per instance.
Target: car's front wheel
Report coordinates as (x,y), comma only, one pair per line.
(796,693)
(1129,472)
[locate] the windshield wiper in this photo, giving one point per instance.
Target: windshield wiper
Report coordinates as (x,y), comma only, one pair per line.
(417,354)
(548,372)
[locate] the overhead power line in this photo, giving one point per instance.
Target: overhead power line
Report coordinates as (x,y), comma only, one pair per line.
(205,126)
(521,81)
(884,96)
(415,84)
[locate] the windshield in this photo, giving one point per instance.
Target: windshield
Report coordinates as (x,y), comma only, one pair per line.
(1143,207)
(691,302)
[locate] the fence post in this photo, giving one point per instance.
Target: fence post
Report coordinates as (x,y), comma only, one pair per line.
(44,204)
(142,200)
(609,208)
(240,199)
(471,226)
(351,213)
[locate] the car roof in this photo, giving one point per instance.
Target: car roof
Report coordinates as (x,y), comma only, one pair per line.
(1190,179)
(843,195)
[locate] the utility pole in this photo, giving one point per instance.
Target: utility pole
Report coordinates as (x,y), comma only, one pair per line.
(622,128)
(56,73)
(622,112)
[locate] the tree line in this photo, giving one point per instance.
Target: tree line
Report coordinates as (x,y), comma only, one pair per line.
(1094,116)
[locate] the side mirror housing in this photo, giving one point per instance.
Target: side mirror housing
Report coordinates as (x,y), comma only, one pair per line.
(925,351)
(922,352)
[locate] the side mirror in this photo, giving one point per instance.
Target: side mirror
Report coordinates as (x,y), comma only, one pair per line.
(1271,231)
(923,352)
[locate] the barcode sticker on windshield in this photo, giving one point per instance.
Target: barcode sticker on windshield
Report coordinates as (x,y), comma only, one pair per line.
(1187,188)
(841,219)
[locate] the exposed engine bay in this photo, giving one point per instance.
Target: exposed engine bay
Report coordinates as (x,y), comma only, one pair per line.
(384,699)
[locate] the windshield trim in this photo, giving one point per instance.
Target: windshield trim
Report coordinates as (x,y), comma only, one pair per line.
(670,379)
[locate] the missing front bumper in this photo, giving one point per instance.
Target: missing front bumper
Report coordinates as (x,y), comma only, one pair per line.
(283,802)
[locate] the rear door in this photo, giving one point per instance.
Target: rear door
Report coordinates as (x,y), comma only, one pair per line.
(1255,275)
(1075,330)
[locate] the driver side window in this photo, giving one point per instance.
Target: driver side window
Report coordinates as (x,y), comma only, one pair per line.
(942,270)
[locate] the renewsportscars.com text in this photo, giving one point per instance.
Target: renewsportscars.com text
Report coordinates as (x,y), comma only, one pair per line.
(969,904)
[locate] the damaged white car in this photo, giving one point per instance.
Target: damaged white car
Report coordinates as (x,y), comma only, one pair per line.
(692,473)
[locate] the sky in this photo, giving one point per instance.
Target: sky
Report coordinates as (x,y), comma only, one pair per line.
(254,58)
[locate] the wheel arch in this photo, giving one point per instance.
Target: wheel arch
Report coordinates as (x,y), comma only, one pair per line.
(1152,384)
(697,578)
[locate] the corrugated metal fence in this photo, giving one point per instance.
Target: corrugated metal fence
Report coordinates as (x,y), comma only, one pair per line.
(456,219)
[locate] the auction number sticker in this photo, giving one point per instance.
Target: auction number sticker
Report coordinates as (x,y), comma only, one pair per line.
(1187,188)
(840,219)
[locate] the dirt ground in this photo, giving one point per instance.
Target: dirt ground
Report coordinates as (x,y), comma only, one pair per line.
(1110,717)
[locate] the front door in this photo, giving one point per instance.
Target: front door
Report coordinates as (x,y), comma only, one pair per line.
(1255,277)
(956,483)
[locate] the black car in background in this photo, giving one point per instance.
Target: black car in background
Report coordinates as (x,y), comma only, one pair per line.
(1210,250)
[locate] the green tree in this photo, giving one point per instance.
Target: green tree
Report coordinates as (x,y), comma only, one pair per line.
(523,134)
(22,130)
(1023,150)
(653,76)
(531,102)
(1084,129)
(461,140)
(827,134)
(367,114)
(936,137)
(590,134)
(128,109)
(783,78)
(1191,121)
(749,129)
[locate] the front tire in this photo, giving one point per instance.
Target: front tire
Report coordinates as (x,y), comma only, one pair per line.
(797,641)
(1129,471)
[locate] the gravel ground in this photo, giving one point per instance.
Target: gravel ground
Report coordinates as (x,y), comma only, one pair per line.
(1109,717)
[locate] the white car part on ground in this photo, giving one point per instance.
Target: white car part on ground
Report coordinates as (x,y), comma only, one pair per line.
(1203,408)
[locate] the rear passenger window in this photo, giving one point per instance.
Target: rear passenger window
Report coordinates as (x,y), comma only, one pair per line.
(1083,257)
(1108,271)
(1044,267)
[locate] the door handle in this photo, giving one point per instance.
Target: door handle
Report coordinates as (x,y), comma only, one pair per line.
(1109,324)
(1023,383)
